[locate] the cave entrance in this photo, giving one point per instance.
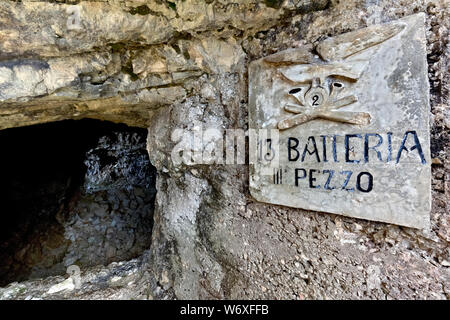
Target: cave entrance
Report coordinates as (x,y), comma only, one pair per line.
(73,192)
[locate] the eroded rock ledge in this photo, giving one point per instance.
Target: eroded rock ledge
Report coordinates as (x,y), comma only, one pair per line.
(124,58)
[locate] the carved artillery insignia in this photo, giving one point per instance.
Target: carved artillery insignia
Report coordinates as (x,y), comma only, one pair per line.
(342,125)
(321,86)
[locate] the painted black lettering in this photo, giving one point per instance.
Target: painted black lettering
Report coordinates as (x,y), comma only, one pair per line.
(293,148)
(314,151)
(330,176)
(389,146)
(347,147)
(270,154)
(278,176)
(367,148)
(324,148)
(347,179)
(315,98)
(312,179)
(334,148)
(416,146)
(298,177)
(369,182)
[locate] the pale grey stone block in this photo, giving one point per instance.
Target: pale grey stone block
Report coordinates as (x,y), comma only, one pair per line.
(353,125)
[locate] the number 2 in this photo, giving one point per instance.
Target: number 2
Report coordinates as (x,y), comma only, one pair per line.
(315,98)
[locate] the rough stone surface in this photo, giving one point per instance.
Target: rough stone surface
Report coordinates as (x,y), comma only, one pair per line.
(111,218)
(353,129)
(101,70)
(118,280)
(211,239)
(104,216)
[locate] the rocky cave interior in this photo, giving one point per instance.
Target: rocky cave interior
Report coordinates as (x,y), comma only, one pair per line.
(73,192)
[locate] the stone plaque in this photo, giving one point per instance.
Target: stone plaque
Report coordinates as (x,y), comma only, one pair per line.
(342,127)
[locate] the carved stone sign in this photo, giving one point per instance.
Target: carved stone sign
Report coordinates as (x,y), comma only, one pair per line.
(346,125)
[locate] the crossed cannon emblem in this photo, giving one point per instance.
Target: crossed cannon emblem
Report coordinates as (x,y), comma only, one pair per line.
(317,82)
(321,100)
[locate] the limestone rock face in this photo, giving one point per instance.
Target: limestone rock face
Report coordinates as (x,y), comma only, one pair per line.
(183,65)
(117,60)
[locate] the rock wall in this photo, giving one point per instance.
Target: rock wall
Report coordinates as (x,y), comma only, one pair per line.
(181,64)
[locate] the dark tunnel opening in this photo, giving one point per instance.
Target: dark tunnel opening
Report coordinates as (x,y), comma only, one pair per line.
(73,192)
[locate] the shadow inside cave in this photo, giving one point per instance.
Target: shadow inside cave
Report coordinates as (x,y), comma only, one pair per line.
(73,192)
